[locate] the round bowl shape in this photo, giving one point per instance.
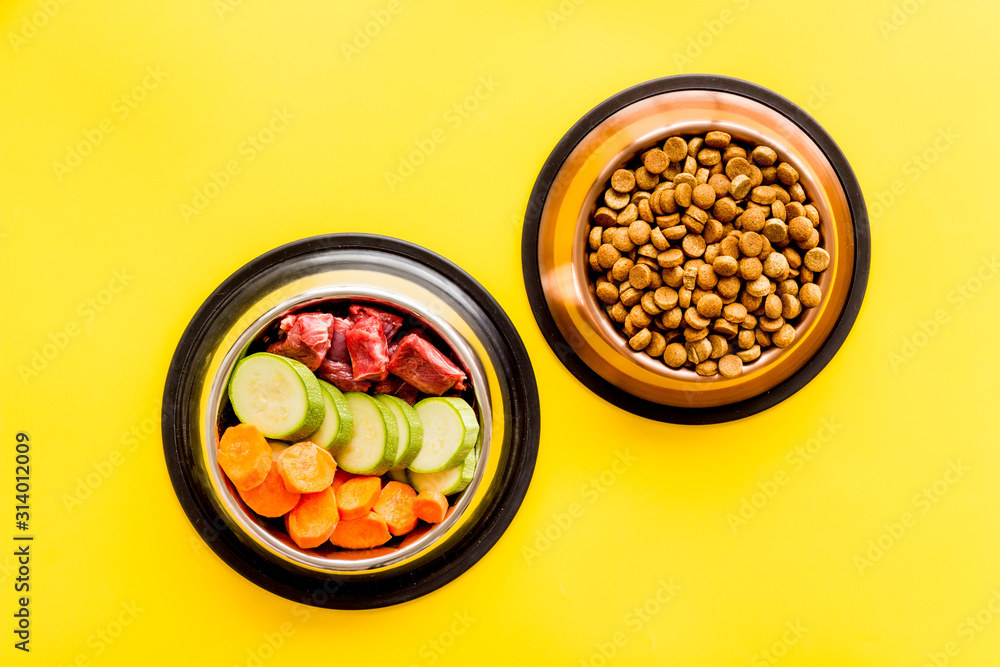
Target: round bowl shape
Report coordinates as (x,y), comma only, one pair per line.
(554,255)
(430,292)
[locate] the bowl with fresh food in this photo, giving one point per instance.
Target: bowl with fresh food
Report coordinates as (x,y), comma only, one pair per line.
(350,421)
(696,249)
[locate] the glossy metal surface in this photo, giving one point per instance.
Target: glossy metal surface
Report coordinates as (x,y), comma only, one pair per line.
(562,253)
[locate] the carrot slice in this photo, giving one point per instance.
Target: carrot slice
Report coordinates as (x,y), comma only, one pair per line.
(313,520)
(270,498)
(355,497)
(340,477)
(244,455)
(364,533)
(395,505)
(430,506)
(306,468)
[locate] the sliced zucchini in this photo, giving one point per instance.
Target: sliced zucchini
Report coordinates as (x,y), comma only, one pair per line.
(398,476)
(338,423)
(450,431)
(280,396)
(372,447)
(411,431)
(447,481)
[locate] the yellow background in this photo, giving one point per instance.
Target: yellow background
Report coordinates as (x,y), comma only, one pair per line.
(886,79)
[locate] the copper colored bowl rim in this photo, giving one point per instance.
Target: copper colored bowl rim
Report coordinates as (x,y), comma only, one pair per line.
(607,367)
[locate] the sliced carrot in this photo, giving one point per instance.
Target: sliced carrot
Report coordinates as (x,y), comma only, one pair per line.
(313,520)
(355,497)
(244,455)
(430,506)
(341,476)
(306,468)
(395,505)
(270,498)
(364,533)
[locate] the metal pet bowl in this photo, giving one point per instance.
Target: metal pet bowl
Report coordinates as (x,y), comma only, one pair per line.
(565,195)
(428,291)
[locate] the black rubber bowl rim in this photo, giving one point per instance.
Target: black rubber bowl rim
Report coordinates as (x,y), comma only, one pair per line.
(620,397)
(326,589)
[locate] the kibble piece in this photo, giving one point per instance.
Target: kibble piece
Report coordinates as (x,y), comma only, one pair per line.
(695,144)
(645,212)
(665,298)
(640,340)
(772,306)
(646,179)
(810,242)
(693,245)
(725,209)
(729,287)
(673,277)
(675,355)
(734,312)
(649,305)
(730,366)
(621,268)
(816,260)
(616,200)
(790,306)
(763,338)
(703,196)
(698,351)
(764,156)
(788,286)
(682,195)
(618,312)
(725,265)
(810,295)
(787,174)
(717,139)
(707,368)
(775,230)
(737,166)
(812,213)
(770,324)
(627,215)
(607,293)
(623,181)
(751,301)
(649,251)
(607,255)
(709,156)
(796,192)
(638,232)
(621,240)
(639,276)
(710,305)
(751,268)
(657,344)
(739,186)
(676,149)
(776,266)
(750,354)
(670,258)
(751,244)
(707,279)
(759,287)
(784,336)
(800,228)
(629,295)
(746,339)
(694,319)
(658,240)
(719,184)
(594,239)
(806,275)
(720,346)
(763,195)
(639,317)
(672,318)
(690,167)
(605,217)
(713,231)
(675,232)
(778,211)
(655,161)
(753,220)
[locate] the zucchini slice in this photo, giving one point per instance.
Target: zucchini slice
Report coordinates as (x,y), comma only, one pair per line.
(280,396)
(372,447)
(450,431)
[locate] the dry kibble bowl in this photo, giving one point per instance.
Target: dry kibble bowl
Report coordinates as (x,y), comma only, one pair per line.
(428,291)
(566,193)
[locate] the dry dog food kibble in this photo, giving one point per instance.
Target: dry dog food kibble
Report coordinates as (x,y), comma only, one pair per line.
(705,250)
